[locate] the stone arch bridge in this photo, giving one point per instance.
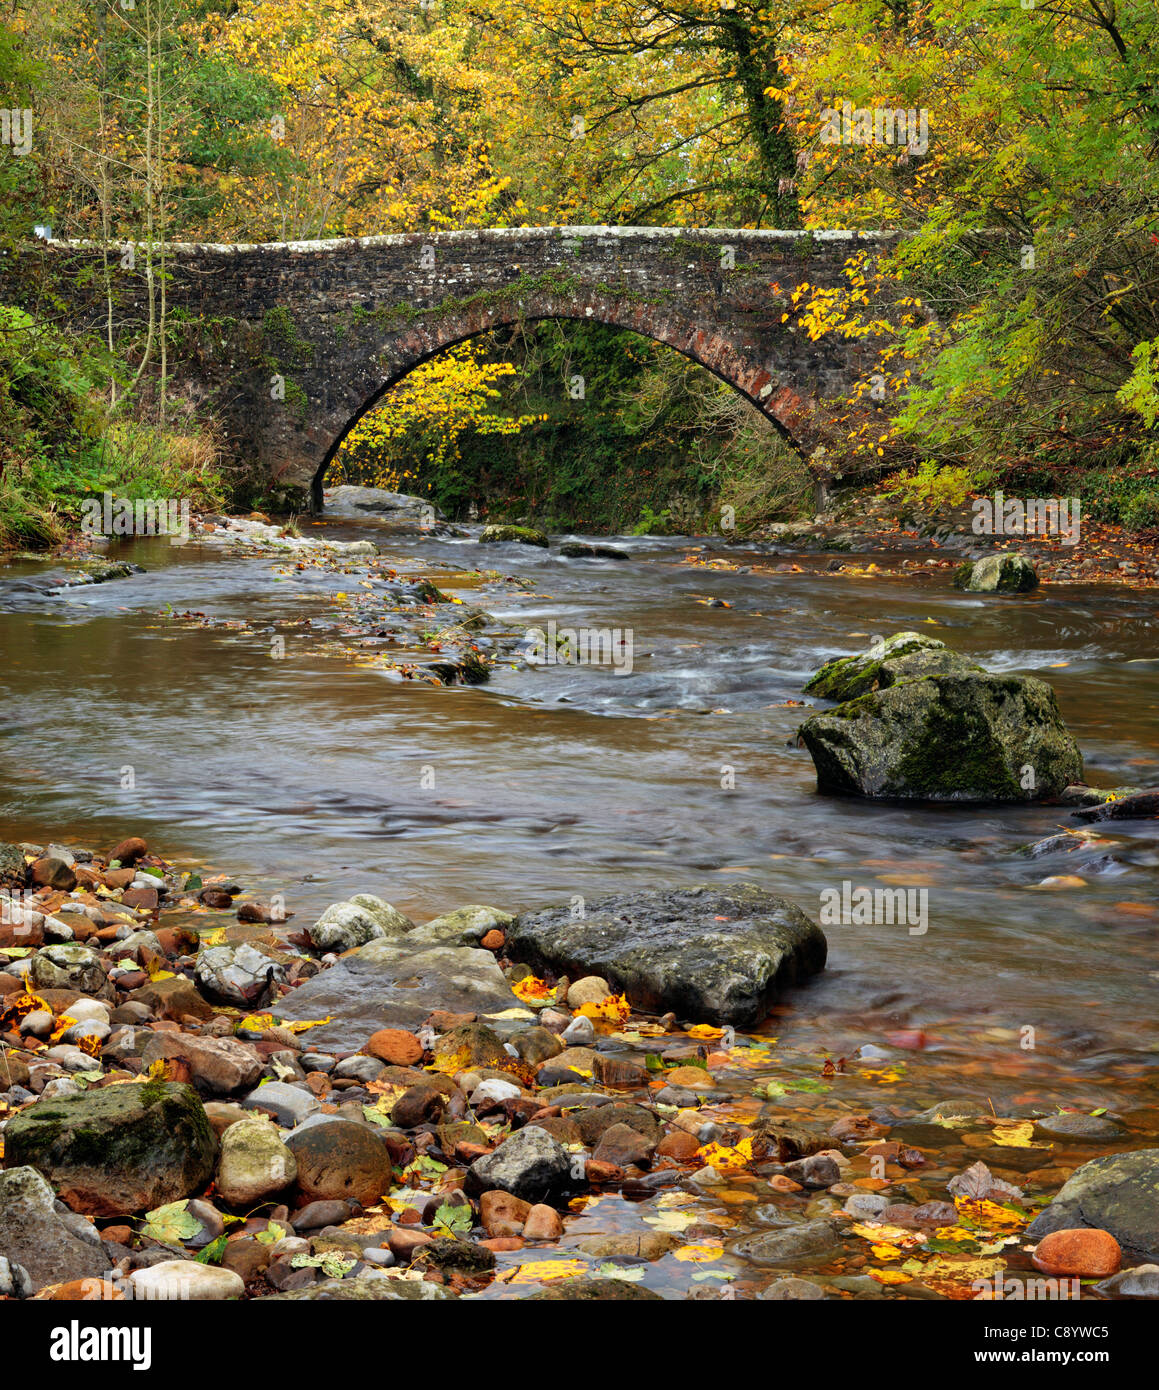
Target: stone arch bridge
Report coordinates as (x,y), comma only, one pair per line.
(288,344)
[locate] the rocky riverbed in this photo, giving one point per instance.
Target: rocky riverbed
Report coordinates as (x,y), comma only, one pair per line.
(203,1098)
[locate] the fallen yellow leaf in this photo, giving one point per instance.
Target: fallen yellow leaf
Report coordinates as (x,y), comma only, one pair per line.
(542,1271)
(698,1254)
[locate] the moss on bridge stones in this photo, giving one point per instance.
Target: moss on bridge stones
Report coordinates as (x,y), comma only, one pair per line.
(281,333)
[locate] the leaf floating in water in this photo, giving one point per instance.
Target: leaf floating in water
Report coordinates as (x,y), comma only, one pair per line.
(1016,1136)
(543,1271)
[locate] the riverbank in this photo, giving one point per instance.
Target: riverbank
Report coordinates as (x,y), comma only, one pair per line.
(873,523)
(866,526)
(553,1141)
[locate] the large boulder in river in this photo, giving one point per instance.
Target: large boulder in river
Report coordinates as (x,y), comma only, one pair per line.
(902,656)
(715,954)
(1117,1193)
(996,574)
(350,500)
(119,1150)
(958,734)
(389,984)
(523,535)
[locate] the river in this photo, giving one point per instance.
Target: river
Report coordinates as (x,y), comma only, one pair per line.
(316,777)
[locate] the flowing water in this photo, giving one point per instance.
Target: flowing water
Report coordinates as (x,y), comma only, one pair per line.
(316,777)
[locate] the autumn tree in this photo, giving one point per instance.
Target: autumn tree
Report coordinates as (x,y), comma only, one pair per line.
(654,111)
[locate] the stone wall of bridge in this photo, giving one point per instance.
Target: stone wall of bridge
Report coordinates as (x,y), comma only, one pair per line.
(287,344)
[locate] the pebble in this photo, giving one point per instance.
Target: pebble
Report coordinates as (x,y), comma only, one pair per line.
(396,1046)
(791,1289)
(288,1104)
(1140,1282)
(543,1223)
(580,1032)
(590,989)
(186,1281)
(363,1069)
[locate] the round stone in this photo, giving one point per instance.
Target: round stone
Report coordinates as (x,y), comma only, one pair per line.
(342,1161)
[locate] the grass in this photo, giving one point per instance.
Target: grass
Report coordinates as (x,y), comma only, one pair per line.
(41,499)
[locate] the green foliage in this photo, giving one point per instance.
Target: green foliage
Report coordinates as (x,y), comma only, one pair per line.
(1141,389)
(652,523)
(58,444)
(931,485)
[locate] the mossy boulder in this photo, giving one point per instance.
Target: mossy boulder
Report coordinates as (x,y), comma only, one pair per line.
(120,1150)
(969,737)
(523,535)
(903,656)
(583,550)
(996,574)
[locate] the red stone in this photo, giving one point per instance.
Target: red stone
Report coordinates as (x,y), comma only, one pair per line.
(394,1045)
(543,1223)
(679,1145)
(402,1243)
(502,1214)
(493,941)
(1079,1252)
(129,851)
(501,1243)
(81,1291)
(140,897)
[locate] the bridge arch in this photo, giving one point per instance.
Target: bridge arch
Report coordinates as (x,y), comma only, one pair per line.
(403,352)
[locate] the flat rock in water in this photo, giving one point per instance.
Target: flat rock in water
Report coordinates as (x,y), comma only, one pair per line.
(1140,805)
(592,1290)
(718,955)
(810,1240)
(386,984)
(350,500)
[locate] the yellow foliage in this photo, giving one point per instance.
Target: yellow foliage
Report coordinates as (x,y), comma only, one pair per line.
(722,1156)
(614,1008)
